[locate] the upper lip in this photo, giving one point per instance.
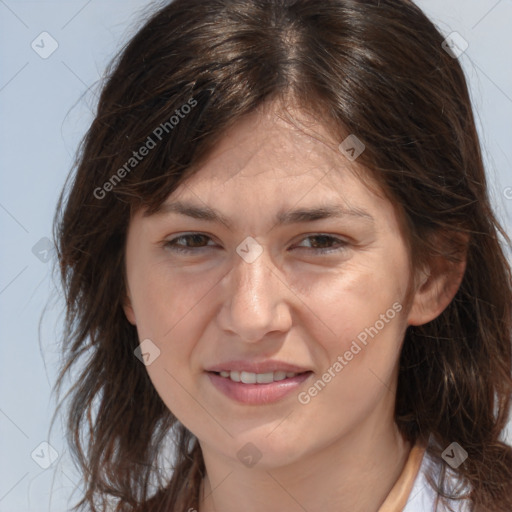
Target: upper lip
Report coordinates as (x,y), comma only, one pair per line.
(256,367)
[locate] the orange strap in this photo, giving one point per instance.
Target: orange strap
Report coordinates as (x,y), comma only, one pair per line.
(397,497)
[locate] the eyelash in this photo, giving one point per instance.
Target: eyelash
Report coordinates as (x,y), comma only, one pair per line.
(171,244)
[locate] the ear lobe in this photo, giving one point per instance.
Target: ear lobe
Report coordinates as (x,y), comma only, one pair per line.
(436,288)
(128,310)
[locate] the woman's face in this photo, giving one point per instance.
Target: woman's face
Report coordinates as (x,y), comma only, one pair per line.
(311,306)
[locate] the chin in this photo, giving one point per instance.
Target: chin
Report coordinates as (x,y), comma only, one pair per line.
(266,452)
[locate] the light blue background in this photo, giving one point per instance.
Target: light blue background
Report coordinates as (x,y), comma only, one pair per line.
(43,118)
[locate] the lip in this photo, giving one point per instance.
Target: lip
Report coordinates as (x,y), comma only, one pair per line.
(258,394)
(270,365)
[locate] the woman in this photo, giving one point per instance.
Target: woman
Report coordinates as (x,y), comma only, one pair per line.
(279,254)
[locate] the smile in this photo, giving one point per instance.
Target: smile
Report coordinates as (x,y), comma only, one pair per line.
(258,378)
(257,388)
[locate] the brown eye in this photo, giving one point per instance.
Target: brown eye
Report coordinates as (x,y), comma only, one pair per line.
(196,242)
(324,243)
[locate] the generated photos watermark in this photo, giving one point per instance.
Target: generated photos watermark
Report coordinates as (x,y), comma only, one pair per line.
(147,352)
(150,143)
(455,45)
(304,397)
(454,455)
(352,147)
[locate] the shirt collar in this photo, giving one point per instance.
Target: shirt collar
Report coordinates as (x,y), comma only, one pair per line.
(397,497)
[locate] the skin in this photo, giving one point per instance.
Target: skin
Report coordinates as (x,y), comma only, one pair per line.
(342,450)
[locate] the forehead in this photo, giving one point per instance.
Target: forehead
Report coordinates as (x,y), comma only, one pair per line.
(276,143)
(273,148)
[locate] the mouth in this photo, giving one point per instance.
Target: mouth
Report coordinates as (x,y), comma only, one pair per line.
(258,388)
(258,378)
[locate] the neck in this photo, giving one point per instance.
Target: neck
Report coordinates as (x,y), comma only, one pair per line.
(353,474)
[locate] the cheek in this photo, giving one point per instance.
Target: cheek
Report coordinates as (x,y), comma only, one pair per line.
(353,302)
(168,305)
(360,334)
(164,299)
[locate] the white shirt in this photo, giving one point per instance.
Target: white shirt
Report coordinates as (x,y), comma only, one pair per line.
(423,497)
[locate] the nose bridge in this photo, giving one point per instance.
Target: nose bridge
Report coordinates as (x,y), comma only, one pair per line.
(252,285)
(256,296)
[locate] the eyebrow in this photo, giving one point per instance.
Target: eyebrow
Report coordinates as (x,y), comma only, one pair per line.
(284,217)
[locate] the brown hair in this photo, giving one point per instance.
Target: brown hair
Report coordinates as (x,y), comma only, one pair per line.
(375,68)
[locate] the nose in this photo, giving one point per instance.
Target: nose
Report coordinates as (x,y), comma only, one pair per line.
(257,300)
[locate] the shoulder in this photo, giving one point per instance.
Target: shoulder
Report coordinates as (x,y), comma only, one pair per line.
(423,497)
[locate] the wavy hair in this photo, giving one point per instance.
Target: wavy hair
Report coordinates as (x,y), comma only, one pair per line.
(375,68)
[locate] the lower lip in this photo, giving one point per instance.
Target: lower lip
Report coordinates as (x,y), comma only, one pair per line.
(257,394)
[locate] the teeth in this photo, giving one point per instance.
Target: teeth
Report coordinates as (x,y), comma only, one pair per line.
(257,378)
(248,378)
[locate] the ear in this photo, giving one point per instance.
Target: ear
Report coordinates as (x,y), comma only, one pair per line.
(128,309)
(437,284)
